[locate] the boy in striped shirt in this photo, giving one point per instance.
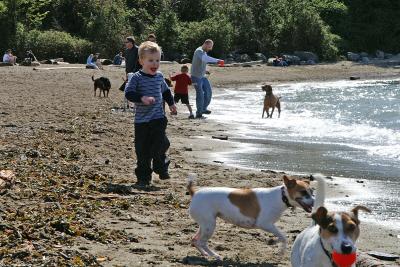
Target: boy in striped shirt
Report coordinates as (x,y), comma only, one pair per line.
(148,89)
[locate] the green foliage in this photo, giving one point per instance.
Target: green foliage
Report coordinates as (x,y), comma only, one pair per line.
(167,29)
(107,27)
(193,34)
(326,27)
(53,44)
(373,25)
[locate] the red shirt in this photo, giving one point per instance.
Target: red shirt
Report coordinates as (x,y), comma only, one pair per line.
(183,80)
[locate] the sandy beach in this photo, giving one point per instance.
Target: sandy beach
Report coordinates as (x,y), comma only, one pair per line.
(73,159)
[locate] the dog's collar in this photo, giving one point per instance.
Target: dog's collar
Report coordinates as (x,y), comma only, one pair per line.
(327,253)
(285,199)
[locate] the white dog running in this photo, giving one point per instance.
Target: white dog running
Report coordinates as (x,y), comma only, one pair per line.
(248,208)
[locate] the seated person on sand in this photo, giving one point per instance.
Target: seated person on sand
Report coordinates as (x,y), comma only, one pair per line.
(118,59)
(30,59)
(279,62)
(30,55)
(93,62)
(9,57)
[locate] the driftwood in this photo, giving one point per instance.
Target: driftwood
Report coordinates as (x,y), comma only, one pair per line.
(244,64)
(364,260)
(58,68)
(220,137)
(5,64)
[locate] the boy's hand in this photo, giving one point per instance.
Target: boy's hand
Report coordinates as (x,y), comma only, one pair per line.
(173,110)
(148,100)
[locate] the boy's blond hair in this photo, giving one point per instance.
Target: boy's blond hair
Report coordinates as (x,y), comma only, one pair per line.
(148,47)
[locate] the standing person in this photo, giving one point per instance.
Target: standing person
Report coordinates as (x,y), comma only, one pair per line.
(199,79)
(181,91)
(152,38)
(131,56)
(147,89)
(9,57)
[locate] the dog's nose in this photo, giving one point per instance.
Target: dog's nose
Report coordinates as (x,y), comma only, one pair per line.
(346,248)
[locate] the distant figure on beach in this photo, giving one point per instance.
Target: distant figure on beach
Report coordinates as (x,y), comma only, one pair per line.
(181,90)
(93,62)
(199,79)
(152,38)
(131,56)
(8,57)
(279,62)
(30,59)
(147,89)
(29,54)
(118,59)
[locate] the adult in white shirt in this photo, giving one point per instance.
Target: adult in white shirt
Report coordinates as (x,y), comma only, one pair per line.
(9,58)
(199,79)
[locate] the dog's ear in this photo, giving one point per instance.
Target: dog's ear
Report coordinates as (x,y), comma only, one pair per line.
(357,208)
(290,183)
(320,217)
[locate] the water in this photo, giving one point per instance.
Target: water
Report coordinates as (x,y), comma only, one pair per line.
(348,129)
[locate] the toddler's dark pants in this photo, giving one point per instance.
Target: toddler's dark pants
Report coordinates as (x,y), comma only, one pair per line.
(151,144)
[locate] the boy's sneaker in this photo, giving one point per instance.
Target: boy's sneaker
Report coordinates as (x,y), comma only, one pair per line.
(207,111)
(142,184)
(201,117)
(164,176)
(191,117)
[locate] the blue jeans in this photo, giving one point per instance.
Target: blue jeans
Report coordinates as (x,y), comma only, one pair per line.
(203,94)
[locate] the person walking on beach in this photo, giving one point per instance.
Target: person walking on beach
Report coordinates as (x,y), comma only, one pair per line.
(199,79)
(181,90)
(147,88)
(131,56)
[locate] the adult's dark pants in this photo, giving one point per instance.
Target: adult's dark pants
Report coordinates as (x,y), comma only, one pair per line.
(151,144)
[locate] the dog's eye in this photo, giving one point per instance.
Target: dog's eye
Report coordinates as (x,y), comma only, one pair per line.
(331,228)
(351,227)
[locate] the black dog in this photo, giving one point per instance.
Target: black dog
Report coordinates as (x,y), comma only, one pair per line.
(103,84)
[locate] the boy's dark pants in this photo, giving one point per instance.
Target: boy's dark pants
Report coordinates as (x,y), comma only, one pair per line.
(151,143)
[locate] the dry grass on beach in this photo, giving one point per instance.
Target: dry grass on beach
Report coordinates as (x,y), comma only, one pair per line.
(73,160)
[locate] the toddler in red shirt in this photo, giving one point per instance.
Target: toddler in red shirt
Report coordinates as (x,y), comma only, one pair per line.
(181,90)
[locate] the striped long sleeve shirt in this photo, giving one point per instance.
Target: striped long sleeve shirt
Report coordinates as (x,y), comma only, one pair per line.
(143,84)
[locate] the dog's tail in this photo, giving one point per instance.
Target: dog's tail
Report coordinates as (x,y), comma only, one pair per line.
(190,184)
(92,77)
(321,189)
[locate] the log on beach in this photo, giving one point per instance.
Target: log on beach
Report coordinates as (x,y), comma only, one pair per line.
(57,68)
(365,260)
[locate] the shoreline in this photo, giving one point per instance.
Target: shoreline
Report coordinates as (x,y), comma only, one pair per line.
(207,150)
(74,160)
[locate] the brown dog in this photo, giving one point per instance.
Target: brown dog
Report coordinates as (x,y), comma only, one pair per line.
(270,101)
(103,84)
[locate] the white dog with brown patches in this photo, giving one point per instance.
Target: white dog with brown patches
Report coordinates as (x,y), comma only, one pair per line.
(248,208)
(332,231)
